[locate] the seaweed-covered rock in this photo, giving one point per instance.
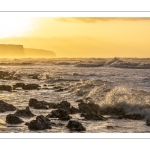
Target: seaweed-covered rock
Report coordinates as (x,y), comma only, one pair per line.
(13,119)
(75,126)
(93,116)
(59,113)
(64,105)
(5,88)
(31,87)
(6,107)
(74,110)
(41,123)
(24,113)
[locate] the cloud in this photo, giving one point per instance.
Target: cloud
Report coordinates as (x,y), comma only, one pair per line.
(98,19)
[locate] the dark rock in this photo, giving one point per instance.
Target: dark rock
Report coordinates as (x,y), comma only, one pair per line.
(113,111)
(110,127)
(80,101)
(82,115)
(59,90)
(59,113)
(64,105)
(52,105)
(134,116)
(22,85)
(148,122)
(74,110)
(27,123)
(24,113)
(75,126)
(6,107)
(5,88)
(31,87)
(93,116)
(89,107)
(38,104)
(13,119)
(41,123)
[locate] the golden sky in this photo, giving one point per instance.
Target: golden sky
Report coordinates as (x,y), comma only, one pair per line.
(80,37)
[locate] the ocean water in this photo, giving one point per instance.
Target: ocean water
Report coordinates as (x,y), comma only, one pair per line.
(105,85)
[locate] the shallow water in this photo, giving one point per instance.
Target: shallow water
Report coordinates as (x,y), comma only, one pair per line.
(106,86)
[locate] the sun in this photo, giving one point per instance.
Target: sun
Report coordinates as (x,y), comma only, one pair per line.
(14,26)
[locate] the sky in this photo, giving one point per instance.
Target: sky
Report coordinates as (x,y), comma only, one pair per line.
(80,37)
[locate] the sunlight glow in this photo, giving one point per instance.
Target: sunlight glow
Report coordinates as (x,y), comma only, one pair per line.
(14,26)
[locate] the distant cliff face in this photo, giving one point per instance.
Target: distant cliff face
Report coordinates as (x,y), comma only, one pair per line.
(7,51)
(38,53)
(11,50)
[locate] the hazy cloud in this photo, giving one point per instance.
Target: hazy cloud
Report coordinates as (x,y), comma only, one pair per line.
(98,19)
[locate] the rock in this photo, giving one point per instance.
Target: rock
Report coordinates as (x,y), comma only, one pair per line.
(64,105)
(134,116)
(59,90)
(59,113)
(22,85)
(148,122)
(93,116)
(13,119)
(31,87)
(110,127)
(41,123)
(24,113)
(5,88)
(112,111)
(38,104)
(74,110)
(89,107)
(80,101)
(75,126)
(6,107)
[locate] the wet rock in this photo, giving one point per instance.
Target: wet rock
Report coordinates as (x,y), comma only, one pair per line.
(148,122)
(53,105)
(59,90)
(80,101)
(132,116)
(13,119)
(22,85)
(74,110)
(6,75)
(64,105)
(6,107)
(110,127)
(38,104)
(41,123)
(112,111)
(24,113)
(5,88)
(31,87)
(89,107)
(93,116)
(59,113)
(75,126)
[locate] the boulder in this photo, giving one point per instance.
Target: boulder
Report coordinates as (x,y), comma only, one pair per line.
(6,107)
(24,113)
(5,88)
(41,123)
(75,126)
(59,113)
(13,119)
(93,116)
(64,105)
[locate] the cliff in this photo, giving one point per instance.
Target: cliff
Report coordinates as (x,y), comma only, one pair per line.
(18,51)
(38,53)
(11,50)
